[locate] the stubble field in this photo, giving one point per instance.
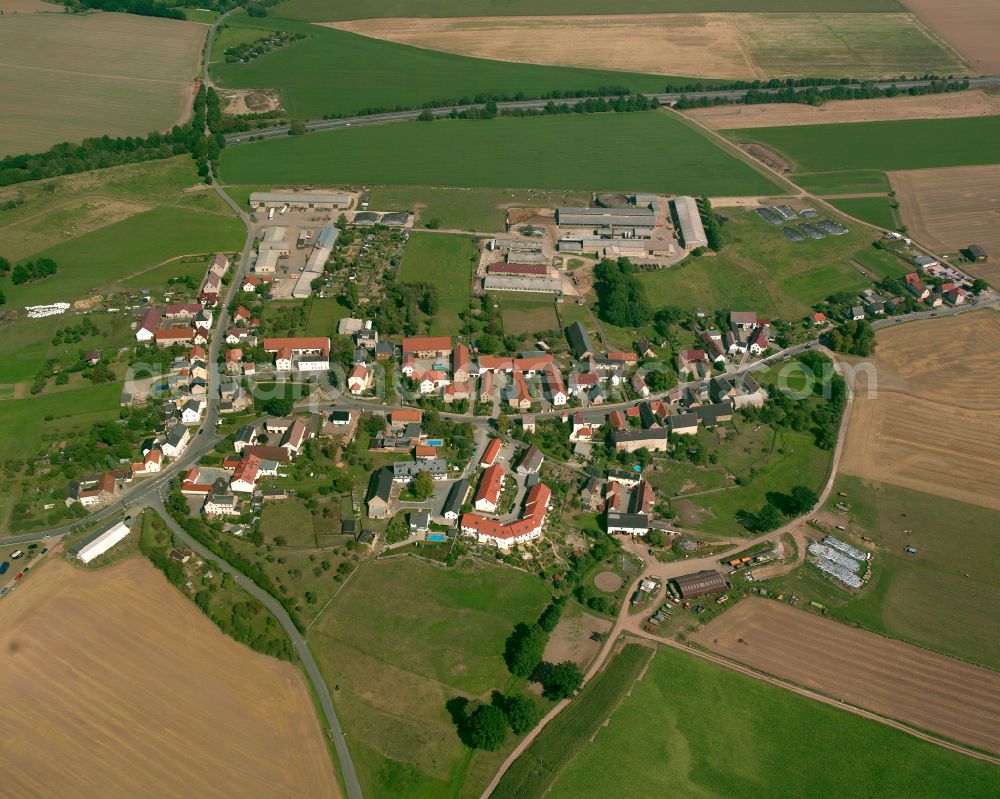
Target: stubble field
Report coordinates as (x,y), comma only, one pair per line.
(69,76)
(726,45)
(774,115)
(970,26)
(949,209)
(114,686)
(934,423)
(896,680)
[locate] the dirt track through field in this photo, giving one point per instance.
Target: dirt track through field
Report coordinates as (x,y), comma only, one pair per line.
(114,685)
(932,106)
(720,45)
(933,425)
(949,209)
(896,680)
(970,26)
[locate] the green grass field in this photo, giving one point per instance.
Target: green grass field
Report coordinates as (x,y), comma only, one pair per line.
(333,10)
(694,729)
(883,263)
(336,72)
(23,421)
(945,597)
(324,314)
(857,181)
(563,152)
(760,269)
(570,732)
(526,313)
(58,209)
(117,252)
(445,262)
(907,144)
(403,638)
(466,209)
(875,210)
(25,344)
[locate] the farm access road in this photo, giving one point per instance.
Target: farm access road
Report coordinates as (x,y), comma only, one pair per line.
(666,98)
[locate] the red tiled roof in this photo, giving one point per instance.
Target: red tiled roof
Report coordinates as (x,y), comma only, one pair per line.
(492,450)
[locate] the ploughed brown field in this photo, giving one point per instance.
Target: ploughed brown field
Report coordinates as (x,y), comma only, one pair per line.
(949,209)
(933,425)
(896,680)
(772,115)
(970,26)
(116,686)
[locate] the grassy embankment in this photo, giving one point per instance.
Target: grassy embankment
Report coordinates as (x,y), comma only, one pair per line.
(691,728)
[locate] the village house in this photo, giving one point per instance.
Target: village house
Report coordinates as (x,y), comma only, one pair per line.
(176,442)
(490,488)
(303,354)
(427,346)
(148,325)
(358,380)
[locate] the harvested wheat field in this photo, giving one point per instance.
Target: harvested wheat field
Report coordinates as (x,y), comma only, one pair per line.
(738,46)
(114,685)
(970,26)
(896,680)
(933,425)
(70,76)
(949,209)
(772,115)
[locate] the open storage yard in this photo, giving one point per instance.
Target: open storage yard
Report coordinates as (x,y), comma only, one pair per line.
(934,423)
(694,729)
(69,76)
(970,26)
(552,152)
(896,680)
(774,115)
(949,209)
(124,684)
(723,45)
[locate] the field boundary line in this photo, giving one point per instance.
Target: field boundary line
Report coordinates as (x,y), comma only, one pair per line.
(809,693)
(335,594)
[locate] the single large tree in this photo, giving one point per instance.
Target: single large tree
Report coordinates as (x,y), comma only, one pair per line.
(423,485)
(524,649)
(486,728)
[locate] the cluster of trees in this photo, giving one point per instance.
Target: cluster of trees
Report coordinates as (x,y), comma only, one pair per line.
(812,95)
(485,726)
(854,337)
(819,414)
(713,232)
(525,649)
(30,271)
(622,104)
(206,116)
(75,333)
(247,51)
(397,312)
(778,507)
(143,8)
(220,546)
(241,622)
(95,153)
(621,298)
(551,436)
(102,152)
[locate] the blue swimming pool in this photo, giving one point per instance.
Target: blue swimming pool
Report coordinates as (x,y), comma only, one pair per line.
(435,536)
(434,442)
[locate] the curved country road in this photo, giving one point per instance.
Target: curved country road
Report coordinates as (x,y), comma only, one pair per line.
(301,647)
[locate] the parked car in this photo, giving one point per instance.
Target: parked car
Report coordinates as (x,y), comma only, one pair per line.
(4,566)
(17,553)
